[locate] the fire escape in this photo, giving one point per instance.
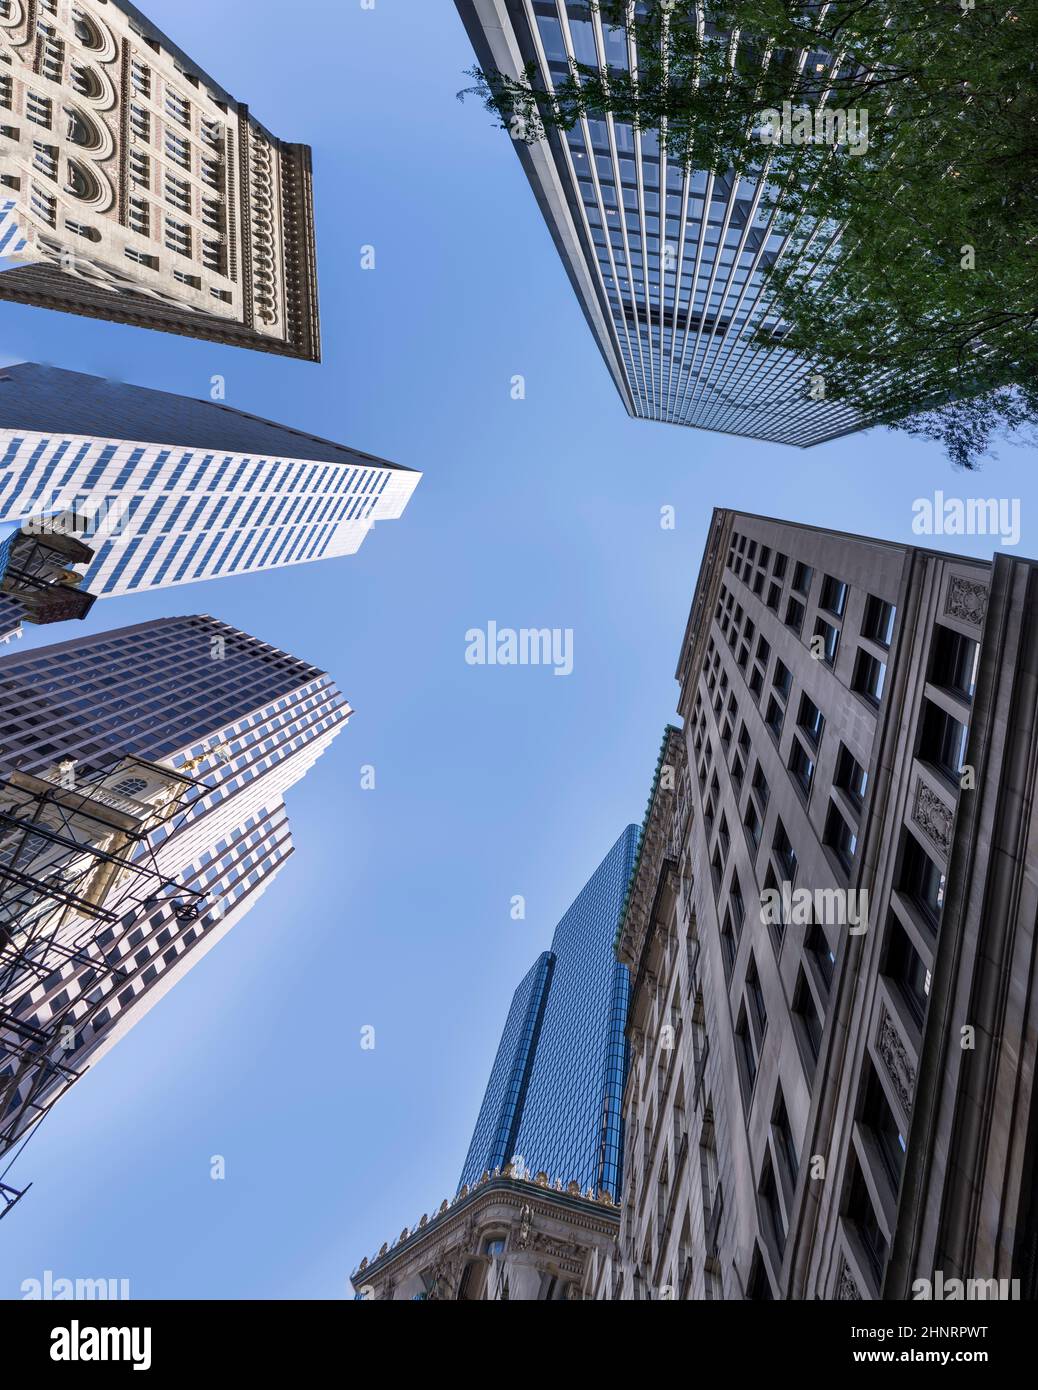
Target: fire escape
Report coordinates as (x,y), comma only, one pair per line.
(79,872)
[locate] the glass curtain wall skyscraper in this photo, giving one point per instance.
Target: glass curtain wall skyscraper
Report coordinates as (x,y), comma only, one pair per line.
(553,1099)
(165,489)
(107,729)
(670,293)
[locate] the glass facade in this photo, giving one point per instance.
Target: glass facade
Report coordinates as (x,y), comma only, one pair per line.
(668,262)
(245,722)
(206,492)
(553,1099)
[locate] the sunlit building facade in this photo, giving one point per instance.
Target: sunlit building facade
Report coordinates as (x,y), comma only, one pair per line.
(553,1099)
(670,293)
(165,490)
(831,931)
(134,188)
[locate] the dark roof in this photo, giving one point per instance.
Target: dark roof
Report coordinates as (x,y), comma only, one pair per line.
(50,400)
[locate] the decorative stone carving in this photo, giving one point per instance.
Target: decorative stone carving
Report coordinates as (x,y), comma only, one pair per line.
(846,1289)
(967,600)
(933,816)
(892,1049)
(525,1223)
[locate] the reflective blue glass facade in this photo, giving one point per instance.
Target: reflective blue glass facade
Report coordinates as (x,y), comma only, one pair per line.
(554,1093)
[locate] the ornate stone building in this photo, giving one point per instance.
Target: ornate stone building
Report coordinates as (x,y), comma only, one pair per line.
(134,188)
(506,1238)
(831,1092)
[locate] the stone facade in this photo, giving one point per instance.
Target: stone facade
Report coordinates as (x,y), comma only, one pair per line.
(134,188)
(836,1099)
(506,1238)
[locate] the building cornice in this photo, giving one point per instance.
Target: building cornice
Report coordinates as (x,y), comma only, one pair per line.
(596,1215)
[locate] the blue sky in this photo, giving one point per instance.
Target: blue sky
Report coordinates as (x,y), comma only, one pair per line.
(490,782)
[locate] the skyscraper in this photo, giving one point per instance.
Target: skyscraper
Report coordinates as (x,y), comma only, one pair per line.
(136,189)
(165,490)
(142,782)
(671,294)
(554,1093)
(836,904)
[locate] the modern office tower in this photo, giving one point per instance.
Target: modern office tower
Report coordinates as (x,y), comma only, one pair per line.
(134,188)
(553,1099)
(672,319)
(506,1239)
(165,490)
(142,782)
(831,932)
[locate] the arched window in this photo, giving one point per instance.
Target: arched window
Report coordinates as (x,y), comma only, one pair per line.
(81,130)
(82,183)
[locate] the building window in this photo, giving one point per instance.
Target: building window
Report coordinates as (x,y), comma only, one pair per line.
(772,1207)
(747,1054)
(876,1113)
(178,237)
(807,1017)
(828,641)
(833,597)
(178,108)
(774,717)
(140,122)
(752,822)
(907,969)
(213,256)
(210,172)
(782,1133)
(810,720)
(43,204)
(878,625)
(758,1286)
(942,740)
(178,193)
(870,676)
(52,56)
(782,680)
(860,1211)
(139,216)
(212,213)
(140,76)
(841,839)
(795,615)
(779,567)
(728,944)
(801,765)
(760,786)
(39,110)
(785,855)
(142,258)
(140,167)
(816,944)
(45,158)
(851,777)
(178,150)
(802,575)
(921,880)
(955,660)
(758,1012)
(82,229)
